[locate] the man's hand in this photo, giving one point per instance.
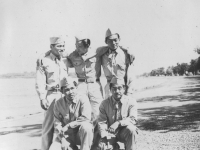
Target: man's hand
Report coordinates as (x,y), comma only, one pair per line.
(64,144)
(113,127)
(44,104)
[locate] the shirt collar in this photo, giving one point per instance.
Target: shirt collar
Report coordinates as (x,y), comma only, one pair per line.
(70,102)
(120,101)
(115,51)
(53,57)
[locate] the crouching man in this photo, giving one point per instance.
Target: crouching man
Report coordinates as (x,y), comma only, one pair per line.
(117,119)
(72,116)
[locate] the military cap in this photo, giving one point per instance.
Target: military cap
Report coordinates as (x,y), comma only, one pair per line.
(69,82)
(116,80)
(57,40)
(111,35)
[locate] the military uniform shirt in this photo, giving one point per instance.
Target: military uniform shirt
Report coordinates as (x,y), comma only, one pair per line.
(51,73)
(84,69)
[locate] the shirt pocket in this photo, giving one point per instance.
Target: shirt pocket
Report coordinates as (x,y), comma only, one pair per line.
(77,62)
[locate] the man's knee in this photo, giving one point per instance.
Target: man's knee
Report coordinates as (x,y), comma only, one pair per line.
(86,127)
(132,129)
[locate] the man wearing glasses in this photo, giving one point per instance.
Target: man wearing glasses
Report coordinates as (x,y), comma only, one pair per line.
(72,120)
(51,73)
(117,118)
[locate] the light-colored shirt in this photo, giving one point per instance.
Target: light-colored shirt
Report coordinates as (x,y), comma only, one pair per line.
(72,113)
(84,69)
(115,63)
(51,73)
(127,112)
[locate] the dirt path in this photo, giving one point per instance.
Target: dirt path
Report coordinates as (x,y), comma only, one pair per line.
(168,119)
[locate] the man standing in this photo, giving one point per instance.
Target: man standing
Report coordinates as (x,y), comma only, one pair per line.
(116,62)
(117,118)
(85,69)
(51,72)
(72,124)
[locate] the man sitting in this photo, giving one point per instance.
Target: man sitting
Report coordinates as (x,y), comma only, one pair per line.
(117,118)
(72,116)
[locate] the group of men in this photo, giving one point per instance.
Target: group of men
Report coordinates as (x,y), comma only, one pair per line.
(80,113)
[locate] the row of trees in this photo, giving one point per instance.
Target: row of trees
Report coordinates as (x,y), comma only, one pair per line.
(178,70)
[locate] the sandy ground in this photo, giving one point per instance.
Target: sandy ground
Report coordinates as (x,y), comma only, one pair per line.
(168,114)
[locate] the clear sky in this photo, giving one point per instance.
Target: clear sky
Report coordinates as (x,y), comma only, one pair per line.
(160,33)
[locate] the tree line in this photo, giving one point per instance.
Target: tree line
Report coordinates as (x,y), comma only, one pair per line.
(179,69)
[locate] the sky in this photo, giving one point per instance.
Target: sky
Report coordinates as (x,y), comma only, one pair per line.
(160,33)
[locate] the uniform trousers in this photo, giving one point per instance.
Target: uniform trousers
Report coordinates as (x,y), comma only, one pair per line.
(48,123)
(95,94)
(81,135)
(126,135)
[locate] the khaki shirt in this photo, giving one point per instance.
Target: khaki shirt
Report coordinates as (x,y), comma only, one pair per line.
(72,113)
(107,114)
(83,69)
(115,64)
(51,73)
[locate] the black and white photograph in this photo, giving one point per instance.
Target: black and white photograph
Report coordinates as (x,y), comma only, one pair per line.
(100,75)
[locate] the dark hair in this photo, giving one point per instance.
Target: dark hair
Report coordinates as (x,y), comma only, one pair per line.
(108,37)
(86,43)
(111,85)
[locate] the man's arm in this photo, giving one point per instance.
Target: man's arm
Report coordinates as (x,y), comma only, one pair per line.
(58,122)
(85,112)
(132,114)
(99,53)
(130,80)
(40,80)
(102,120)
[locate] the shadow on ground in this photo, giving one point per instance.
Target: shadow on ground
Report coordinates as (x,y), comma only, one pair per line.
(32,130)
(184,116)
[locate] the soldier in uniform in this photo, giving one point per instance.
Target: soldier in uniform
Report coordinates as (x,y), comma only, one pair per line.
(85,69)
(51,72)
(116,62)
(117,118)
(72,120)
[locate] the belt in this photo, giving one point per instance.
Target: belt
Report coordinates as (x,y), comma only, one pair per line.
(54,90)
(89,80)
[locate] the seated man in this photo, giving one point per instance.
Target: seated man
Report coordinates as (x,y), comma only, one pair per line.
(117,118)
(72,116)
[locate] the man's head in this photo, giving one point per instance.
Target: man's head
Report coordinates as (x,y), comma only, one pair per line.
(57,46)
(69,89)
(112,39)
(82,44)
(117,88)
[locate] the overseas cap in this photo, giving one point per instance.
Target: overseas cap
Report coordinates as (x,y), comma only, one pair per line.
(109,33)
(116,80)
(69,82)
(57,40)
(81,36)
